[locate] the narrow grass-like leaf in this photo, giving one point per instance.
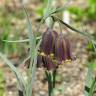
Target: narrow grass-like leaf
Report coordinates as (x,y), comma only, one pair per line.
(92,88)
(89,37)
(37,46)
(32,39)
(20,41)
(31,83)
(16,41)
(26,59)
(48,8)
(60,9)
(51,11)
(89,80)
(33,54)
(94,45)
(18,75)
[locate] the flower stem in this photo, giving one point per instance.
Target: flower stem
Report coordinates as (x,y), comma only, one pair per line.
(50,22)
(51,78)
(54,77)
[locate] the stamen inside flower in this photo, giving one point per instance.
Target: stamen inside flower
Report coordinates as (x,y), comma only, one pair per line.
(51,55)
(42,54)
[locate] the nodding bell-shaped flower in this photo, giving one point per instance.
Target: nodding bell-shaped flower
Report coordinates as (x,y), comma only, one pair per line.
(48,41)
(46,62)
(47,48)
(62,49)
(54,50)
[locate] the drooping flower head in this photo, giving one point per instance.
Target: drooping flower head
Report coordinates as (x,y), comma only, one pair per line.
(54,50)
(62,48)
(47,49)
(48,41)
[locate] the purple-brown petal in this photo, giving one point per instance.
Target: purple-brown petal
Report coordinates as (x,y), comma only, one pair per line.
(48,41)
(39,61)
(62,49)
(48,63)
(68,47)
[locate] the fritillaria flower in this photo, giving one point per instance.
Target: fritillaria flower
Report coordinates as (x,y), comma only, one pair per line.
(46,62)
(54,50)
(48,41)
(47,48)
(62,49)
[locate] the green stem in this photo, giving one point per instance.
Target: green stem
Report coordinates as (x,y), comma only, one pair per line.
(54,77)
(51,22)
(49,79)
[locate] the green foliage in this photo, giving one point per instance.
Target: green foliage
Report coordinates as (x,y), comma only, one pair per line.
(90,84)
(5,26)
(91,10)
(2,83)
(91,2)
(77,11)
(39,11)
(81,13)
(93,65)
(90,48)
(7,31)
(18,14)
